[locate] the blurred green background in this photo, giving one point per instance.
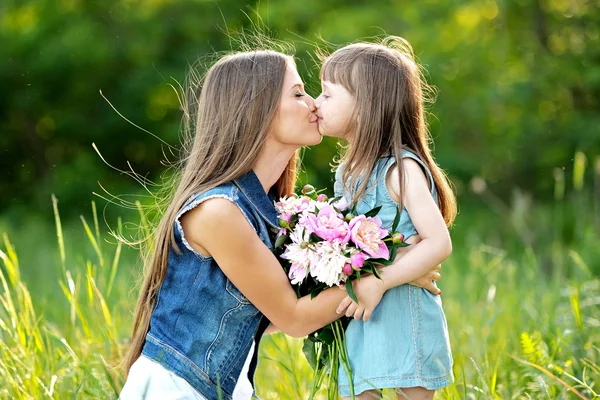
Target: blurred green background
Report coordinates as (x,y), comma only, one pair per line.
(516,125)
(518,84)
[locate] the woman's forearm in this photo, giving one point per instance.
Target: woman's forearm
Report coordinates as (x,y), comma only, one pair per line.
(312,314)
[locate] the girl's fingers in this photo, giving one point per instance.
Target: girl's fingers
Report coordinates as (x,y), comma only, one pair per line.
(351,309)
(367,316)
(344,305)
(359,312)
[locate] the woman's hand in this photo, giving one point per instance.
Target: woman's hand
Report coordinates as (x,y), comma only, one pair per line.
(428,280)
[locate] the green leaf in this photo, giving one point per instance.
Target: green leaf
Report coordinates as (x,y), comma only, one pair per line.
(325,335)
(393,253)
(350,290)
(373,212)
(396,220)
(376,273)
(280,240)
(315,292)
(380,261)
(308,348)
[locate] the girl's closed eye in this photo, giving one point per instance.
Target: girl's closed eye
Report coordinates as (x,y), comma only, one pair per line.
(299,94)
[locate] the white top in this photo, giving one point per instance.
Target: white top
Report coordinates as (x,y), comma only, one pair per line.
(149,380)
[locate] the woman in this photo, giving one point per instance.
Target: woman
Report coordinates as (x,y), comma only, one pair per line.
(213,283)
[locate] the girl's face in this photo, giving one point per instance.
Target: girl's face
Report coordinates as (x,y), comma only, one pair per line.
(335,108)
(296,121)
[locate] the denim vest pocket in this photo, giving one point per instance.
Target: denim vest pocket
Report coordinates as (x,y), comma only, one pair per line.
(233,335)
(232,290)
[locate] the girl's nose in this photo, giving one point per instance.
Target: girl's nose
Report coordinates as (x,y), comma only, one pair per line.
(317,102)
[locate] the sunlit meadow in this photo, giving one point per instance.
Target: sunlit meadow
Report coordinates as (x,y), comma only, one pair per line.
(521,294)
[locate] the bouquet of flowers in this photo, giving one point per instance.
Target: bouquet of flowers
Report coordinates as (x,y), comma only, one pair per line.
(323,243)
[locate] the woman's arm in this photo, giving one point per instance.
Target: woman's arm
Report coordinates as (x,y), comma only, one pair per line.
(271,329)
(218,228)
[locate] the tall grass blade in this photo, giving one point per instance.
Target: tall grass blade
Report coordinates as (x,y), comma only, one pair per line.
(59,234)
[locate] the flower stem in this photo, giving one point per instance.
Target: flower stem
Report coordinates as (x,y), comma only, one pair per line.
(340,343)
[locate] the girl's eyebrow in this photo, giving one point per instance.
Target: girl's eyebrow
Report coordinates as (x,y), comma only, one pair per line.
(299,85)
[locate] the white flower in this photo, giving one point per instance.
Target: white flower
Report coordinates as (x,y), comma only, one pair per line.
(330,262)
(299,254)
(292,205)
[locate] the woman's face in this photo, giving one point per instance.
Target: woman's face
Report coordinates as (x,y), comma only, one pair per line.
(296,122)
(335,107)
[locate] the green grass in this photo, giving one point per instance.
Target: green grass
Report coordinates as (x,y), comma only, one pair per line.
(521,294)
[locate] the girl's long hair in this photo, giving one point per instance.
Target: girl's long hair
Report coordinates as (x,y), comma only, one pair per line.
(389,114)
(226,122)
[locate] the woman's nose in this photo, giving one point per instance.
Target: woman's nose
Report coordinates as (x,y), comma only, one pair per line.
(311,103)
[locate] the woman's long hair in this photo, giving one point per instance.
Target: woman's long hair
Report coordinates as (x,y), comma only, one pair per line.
(226,119)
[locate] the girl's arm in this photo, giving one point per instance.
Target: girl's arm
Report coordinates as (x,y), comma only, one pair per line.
(218,228)
(428,280)
(435,245)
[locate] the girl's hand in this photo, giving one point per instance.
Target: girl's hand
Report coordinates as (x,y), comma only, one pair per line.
(427,281)
(369,290)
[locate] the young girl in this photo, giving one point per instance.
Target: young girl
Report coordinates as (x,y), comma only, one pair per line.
(373,97)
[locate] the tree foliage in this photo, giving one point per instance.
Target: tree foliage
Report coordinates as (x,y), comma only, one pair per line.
(518,83)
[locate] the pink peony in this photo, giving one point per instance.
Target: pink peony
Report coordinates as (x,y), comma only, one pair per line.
(284,220)
(328,225)
(308,190)
(341,204)
(347,270)
(398,238)
(367,234)
(357,260)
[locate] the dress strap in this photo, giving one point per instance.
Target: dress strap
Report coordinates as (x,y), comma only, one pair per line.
(410,154)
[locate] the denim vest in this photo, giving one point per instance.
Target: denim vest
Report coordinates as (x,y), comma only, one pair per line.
(202,326)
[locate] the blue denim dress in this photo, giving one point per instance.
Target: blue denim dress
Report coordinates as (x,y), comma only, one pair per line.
(405,343)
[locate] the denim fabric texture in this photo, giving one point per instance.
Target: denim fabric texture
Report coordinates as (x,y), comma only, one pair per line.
(202,327)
